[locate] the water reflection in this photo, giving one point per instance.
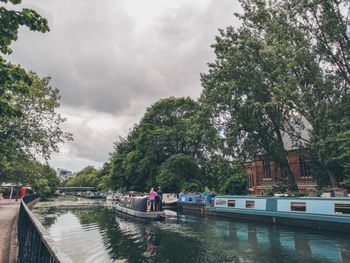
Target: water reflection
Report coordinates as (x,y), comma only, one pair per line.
(101,235)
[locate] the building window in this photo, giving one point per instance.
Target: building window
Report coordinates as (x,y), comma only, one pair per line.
(249,204)
(342,209)
(304,168)
(231,203)
(298,207)
(266,165)
(249,174)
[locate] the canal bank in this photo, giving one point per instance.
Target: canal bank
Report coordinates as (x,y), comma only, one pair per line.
(8,230)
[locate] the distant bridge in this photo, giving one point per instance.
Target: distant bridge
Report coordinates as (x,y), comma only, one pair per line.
(77,188)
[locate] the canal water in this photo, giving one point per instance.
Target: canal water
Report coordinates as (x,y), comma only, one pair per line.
(100,234)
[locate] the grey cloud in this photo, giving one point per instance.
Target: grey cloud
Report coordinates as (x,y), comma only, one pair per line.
(98,60)
(102,61)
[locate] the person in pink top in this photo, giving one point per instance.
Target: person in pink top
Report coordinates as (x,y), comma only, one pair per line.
(152,199)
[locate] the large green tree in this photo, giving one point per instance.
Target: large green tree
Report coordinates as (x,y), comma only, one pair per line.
(29,122)
(179,173)
(170,127)
(285,67)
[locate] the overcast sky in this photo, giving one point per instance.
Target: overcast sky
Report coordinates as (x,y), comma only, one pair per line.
(111,59)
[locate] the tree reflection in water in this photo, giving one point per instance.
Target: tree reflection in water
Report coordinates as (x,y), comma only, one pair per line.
(189,238)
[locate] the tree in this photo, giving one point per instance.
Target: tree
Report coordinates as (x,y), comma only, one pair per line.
(27,171)
(14,79)
(169,127)
(178,173)
(85,177)
(29,122)
(287,63)
(244,90)
(225,176)
(11,20)
(235,185)
(36,128)
(103,178)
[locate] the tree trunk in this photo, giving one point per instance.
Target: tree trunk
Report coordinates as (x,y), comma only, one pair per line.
(333,179)
(282,161)
(292,185)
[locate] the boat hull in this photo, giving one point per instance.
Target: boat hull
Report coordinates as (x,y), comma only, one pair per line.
(307,212)
(143,215)
(192,207)
(309,223)
(169,204)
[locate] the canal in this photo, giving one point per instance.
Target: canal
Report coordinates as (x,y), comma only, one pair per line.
(98,234)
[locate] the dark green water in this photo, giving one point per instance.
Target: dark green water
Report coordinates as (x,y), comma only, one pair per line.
(101,235)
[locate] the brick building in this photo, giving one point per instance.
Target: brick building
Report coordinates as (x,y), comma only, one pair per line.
(262,174)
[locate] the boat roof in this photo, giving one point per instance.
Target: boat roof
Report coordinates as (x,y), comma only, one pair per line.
(283,197)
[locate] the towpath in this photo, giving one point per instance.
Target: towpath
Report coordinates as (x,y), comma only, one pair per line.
(8,220)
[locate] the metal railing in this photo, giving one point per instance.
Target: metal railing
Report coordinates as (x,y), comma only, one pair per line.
(34,242)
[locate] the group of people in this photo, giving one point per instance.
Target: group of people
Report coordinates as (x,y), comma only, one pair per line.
(155,200)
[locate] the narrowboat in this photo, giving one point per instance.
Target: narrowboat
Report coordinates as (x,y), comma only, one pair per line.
(169,200)
(309,212)
(137,206)
(194,202)
(113,198)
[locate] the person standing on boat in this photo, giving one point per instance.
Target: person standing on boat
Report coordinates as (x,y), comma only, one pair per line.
(159,199)
(152,199)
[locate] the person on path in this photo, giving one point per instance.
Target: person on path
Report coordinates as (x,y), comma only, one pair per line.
(23,191)
(152,199)
(159,199)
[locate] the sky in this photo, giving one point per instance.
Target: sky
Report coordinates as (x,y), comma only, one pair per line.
(112,59)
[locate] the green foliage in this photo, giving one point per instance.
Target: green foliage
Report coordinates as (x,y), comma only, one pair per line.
(27,171)
(86,177)
(246,88)
(34,124)
(236,184)
(11,20)
(29,123)
(170,127)
(179,172)
(286,66)
(219,170)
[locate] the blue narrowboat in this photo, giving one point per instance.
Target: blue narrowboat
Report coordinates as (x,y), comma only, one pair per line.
(309,212)
(194,202)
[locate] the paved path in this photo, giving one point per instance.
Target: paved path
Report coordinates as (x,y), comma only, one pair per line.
(8,219)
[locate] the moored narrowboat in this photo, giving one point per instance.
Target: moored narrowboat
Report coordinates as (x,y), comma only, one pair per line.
(169,200)
(194,202)
(137,206)
(309,212)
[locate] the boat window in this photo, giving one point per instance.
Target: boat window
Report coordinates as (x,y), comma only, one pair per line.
(190,199)
(249,204)
(199,198)
(231,203)
(220,202)
(342,209)
(298,206)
